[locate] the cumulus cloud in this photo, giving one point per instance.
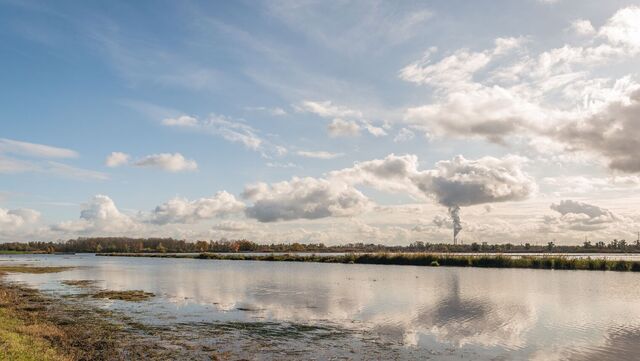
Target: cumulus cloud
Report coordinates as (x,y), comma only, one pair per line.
(116,159)
(579,216)
(345,121)
(303,198)
(169,162)
(15,218)
(180,210)
(462,182)
(583,27)
(343,128)
(99,216)
(552,97)
(623,27)
(319,154)
(613,133)
(456,182)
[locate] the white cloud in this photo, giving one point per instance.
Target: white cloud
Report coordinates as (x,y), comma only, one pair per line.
(579,216)
(343,128)
(281,165)
(181,121)
(319,154)
(99,216)
(116,159)
(180,210)
(583,27)
(453,71)
(623,27)
(303,198)
(345,121)
(375,131)
(166,161)
(236,131)
(34,150)
(232,226)
(14,166)
(326,109)
(276,111)
(456,182)
(404,135)
(553,97)
(11,219)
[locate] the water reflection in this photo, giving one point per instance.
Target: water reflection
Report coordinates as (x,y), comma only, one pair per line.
(413,311)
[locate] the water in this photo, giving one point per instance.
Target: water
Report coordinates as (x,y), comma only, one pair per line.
(306,310)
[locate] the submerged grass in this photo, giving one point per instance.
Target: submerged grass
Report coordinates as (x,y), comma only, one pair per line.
(129,295)
(31,269)
(427,259)
(79,283)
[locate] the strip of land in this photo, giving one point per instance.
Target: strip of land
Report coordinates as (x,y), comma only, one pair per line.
(422,259)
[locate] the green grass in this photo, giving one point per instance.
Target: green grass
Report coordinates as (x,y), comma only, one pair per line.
(14,252)
(19,342)
(31,269)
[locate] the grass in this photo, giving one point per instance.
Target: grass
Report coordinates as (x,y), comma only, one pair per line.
(14,252)
(34,326)
(130,295)
(31,269)
(428,259)
(22,342)
(79,283)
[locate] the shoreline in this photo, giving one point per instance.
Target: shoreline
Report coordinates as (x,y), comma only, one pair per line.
(421,259)
(35,326)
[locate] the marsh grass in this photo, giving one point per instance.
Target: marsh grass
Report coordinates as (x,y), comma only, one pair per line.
(129,295)
(31,269)
(434,260)
(79,283)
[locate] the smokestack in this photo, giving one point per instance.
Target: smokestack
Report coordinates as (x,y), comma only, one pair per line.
(454,213)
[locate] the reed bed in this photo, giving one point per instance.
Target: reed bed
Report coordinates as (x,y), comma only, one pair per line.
(425,259)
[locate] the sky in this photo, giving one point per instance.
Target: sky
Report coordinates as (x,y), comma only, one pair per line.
(315,121)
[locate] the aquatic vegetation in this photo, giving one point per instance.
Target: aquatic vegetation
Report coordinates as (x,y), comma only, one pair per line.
(129,295)
(430,259)
(79,283)
(32,269)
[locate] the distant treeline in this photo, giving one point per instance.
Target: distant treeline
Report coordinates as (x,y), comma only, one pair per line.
(170,245)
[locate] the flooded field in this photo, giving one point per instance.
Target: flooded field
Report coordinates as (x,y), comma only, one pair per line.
(273,310)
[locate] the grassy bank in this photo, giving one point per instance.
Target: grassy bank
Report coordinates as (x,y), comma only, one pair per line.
(22,337)
(35,327)
(425,259)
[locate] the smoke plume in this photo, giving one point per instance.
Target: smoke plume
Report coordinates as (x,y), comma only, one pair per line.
(454,212)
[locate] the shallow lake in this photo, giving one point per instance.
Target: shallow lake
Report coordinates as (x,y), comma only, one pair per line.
(277,310)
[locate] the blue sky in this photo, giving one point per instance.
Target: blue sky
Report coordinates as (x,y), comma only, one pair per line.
(200,98)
